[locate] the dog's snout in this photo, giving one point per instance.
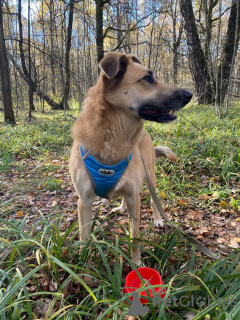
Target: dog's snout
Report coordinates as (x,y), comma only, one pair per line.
(187,95)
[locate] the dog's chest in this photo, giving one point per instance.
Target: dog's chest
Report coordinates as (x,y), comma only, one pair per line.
(104,176)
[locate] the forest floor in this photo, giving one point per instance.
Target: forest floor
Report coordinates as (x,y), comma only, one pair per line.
(32,189)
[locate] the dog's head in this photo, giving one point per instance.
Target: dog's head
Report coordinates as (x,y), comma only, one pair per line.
(128,84)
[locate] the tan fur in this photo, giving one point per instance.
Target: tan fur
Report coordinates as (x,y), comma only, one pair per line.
(110,127)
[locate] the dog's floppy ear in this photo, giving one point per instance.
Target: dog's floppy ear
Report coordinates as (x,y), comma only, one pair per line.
(112,63)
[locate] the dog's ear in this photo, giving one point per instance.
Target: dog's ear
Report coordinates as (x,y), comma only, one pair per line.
(112,63)
(135,59)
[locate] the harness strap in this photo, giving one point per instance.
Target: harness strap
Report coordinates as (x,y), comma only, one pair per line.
(104,176)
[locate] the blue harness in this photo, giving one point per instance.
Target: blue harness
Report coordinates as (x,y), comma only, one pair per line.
(104,177)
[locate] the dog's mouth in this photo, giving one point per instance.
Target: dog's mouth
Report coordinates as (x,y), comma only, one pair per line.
(164,111)
(156,114)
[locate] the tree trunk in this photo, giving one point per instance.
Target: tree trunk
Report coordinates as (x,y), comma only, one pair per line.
(174,13)
(67,57)
(196,56)
(52,21)
(99,29)
(30,91)
(31,84)
(228,54)
(4,70)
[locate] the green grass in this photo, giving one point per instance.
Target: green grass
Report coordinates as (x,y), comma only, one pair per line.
(43,268)
(45,134)
(54,257)
(206,146)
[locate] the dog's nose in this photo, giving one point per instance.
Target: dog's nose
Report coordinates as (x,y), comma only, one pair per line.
(187,95)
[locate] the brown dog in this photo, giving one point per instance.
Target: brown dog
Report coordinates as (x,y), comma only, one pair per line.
(110,130)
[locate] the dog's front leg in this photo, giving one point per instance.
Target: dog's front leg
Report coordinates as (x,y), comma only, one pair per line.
(85,216)
(133,208)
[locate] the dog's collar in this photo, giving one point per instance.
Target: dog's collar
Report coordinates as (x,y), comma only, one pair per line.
(104,176)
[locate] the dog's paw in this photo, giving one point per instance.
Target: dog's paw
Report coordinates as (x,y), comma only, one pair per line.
(137,261)
(158,223)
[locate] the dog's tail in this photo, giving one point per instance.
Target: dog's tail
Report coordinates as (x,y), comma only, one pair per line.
(166,152)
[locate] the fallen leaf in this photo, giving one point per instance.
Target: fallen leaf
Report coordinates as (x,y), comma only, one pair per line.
(163,194)
(52,286)
(54,204)
(19,214)
(205,231)
(234,244)
(32,194)
(220,240)
(203,196)
(223,204)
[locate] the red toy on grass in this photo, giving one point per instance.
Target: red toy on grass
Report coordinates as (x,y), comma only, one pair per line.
(133,282)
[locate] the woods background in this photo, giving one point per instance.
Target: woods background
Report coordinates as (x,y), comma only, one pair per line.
(50,50)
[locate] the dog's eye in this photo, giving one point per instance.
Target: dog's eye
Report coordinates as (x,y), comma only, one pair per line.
(149,79)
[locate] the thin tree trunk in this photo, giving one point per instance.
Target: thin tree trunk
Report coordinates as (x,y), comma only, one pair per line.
(30,91)
(44,62)
(157,71)
(31,84)
(176,41)
(228,54)
(52,47)
(119,32)
(5,78)
(67,57)
(218,106)
(137,35)
(99,29)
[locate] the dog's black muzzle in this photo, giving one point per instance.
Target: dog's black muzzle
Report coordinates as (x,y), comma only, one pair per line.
(165,111)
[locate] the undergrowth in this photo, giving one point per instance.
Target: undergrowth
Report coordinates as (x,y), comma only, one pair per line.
(45,269)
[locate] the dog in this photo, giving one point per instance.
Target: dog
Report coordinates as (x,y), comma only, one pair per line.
(109,136)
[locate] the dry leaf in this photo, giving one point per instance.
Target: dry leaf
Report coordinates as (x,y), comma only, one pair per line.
(54,204)
(234,244)
(203,196)
(52,286)
(236,239)
(190,315)
(19,214)
(163,194)
(223,204)
(205,231)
